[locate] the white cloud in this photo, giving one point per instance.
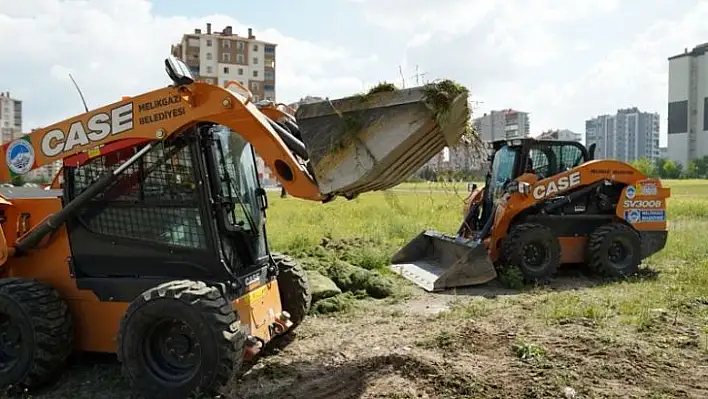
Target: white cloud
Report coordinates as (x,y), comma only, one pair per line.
(561,61)
(117,47)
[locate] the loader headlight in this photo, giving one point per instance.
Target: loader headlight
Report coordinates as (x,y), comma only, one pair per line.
(524,188)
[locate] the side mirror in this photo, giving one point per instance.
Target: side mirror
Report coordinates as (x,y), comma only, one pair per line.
(471,187)
(178,71)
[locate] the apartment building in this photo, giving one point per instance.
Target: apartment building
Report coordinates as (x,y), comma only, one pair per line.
(220,57)
(628,135)
(502,124)
(560,134)
(10,117)
(688,105)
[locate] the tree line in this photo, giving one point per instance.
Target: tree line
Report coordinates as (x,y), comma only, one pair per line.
(668,169)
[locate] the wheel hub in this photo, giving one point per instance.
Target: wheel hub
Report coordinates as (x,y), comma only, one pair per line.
(618,252)
(534,254)
(172,350)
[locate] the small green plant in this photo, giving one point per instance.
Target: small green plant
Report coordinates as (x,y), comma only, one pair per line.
(528,351)
(511,277)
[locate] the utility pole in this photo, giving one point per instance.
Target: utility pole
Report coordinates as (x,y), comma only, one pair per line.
(403,79)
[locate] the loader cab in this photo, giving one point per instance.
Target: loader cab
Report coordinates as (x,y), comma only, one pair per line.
(510,159)
(190,207)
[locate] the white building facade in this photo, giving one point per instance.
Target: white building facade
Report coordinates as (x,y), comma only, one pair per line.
(560,134)
(10,118)
(503,124)
(688,105)
(628,135)
(220,57)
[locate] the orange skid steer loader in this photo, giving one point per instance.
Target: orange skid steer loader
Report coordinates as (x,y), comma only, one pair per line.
(544,203)
(154,245)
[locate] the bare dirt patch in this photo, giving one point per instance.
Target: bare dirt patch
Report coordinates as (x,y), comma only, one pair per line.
(481,348)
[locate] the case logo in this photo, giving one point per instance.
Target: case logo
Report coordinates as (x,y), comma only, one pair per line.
(556,186)
(98,127)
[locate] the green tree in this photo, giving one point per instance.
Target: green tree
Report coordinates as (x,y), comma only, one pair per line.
(691,171)
(671,170)
(659,166)
(702,167)
(644,165)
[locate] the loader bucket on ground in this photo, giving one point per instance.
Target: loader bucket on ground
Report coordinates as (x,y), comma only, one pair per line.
(375,141)
(435,262)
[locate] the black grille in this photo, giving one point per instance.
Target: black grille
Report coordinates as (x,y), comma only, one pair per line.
(155,199)
(548,159)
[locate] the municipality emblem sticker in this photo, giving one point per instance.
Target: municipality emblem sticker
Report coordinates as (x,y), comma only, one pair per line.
(20,156)
(631,191)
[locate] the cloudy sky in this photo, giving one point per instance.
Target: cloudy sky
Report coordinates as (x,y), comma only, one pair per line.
(562,61)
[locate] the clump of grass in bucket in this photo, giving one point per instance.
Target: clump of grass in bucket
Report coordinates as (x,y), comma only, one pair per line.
(440,96)
(382,87)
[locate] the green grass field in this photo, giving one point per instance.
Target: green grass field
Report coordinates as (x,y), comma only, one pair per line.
(392,218)
(645,337)
(580,337)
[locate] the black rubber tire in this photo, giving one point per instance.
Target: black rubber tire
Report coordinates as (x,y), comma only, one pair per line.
(294,288)
(45,329)
(213,324)
(513,248)
(598,250)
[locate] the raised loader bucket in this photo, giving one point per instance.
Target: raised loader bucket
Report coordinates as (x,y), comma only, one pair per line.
(375,141)
(436,261)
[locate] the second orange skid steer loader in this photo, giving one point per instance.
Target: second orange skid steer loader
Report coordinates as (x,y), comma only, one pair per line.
(154,245)
(544,203)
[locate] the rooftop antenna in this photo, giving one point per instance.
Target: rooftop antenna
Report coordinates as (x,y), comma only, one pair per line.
(80,94)
(418,75)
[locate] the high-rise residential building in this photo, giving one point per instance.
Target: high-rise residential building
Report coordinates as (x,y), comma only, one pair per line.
(220,57)
(10,117)
(628,135)
(503,124)
(560,134)
(688,105)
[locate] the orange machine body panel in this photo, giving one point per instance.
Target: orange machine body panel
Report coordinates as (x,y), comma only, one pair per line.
(96,323)
(156,115)
(259,309)
(642,203)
